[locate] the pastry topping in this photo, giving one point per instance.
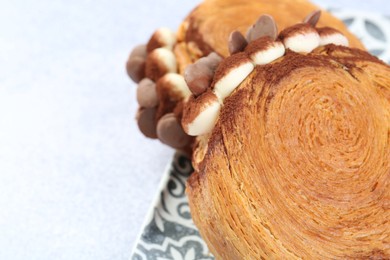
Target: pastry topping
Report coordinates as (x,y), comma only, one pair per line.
(301,37)
(139,51)
(236,43)
(171,89)
(147,94)
(200,114)
(213,60)
(313,18)
(159,62)
(170,132)
(199,75)
(135,68)
(147,64)
(330,35)
(265,50)
(163,37)
(264,26)
(248,33)
(146,122)
(230,73)
(175,84)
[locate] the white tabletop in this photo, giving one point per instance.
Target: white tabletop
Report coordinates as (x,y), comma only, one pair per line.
(76,176)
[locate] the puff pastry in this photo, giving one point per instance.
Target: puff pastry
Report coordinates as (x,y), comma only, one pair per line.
(291,145)
(298,163)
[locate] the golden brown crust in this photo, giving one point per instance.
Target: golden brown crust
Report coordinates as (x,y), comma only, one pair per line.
(183,57)
(298,165)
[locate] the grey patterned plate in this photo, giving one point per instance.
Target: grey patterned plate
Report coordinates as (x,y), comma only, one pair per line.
(169,232)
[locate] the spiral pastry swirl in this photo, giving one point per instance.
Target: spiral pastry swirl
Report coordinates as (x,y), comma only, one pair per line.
(298,164)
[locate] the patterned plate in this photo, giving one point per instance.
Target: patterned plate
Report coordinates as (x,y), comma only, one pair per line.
(169,232)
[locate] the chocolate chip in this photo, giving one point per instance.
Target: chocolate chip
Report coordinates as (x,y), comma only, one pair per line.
(264,26)
(170,132)
(313,18)
(146,122)
(138,51)
(135,68)
(213,60)
(146,93)
(236,42)
(248,34)
(198,77)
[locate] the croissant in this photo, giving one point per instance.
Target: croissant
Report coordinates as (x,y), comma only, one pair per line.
(158,66)
(293,153)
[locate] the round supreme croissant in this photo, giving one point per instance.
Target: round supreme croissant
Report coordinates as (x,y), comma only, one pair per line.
(158,66)
(293,149)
